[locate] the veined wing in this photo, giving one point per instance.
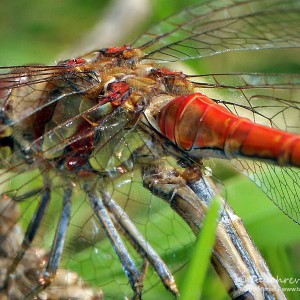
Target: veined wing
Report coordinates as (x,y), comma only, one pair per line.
(269,99)
(214,27)
(272,100)
(28,89)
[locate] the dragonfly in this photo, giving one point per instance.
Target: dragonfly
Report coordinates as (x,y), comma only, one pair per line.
(81,138)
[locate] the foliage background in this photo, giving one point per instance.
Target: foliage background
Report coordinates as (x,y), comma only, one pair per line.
(40,31)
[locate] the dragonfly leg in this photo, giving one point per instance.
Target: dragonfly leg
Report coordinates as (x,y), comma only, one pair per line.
(29,235)
(235,258)
(15,285)
(133,274)
(257,278)
(57,247)
(26,275)
(122,220)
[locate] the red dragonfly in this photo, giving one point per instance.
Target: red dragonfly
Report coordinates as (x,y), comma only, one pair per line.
(78,139)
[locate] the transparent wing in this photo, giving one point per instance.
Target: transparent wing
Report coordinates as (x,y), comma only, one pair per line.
(28,89)
(219,26)
(269,99)
(33,91)
(54,103)
(281,185)
(272,100)
(87,248)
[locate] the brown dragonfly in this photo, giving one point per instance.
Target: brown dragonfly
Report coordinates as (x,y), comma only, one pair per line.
(81,139)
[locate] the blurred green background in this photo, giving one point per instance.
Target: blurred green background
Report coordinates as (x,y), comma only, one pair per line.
(41,31)
(38,32)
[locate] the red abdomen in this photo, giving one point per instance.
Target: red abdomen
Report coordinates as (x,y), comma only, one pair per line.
(196,122)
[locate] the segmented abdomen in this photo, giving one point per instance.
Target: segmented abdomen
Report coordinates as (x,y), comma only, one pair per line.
(196,122)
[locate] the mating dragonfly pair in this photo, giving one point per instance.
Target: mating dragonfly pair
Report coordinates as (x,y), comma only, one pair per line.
(80,137)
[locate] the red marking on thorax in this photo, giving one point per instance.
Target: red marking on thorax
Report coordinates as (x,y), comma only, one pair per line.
(75,62)
(162,72)
(116,50)
(117,93)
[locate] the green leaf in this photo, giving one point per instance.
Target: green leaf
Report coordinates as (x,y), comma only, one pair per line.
(194,279)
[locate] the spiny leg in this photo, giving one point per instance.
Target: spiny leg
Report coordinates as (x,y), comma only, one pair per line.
(57,247)
(200,187)
(133,274)
(31,232)
(123,221)
(235,257)
(66,284)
